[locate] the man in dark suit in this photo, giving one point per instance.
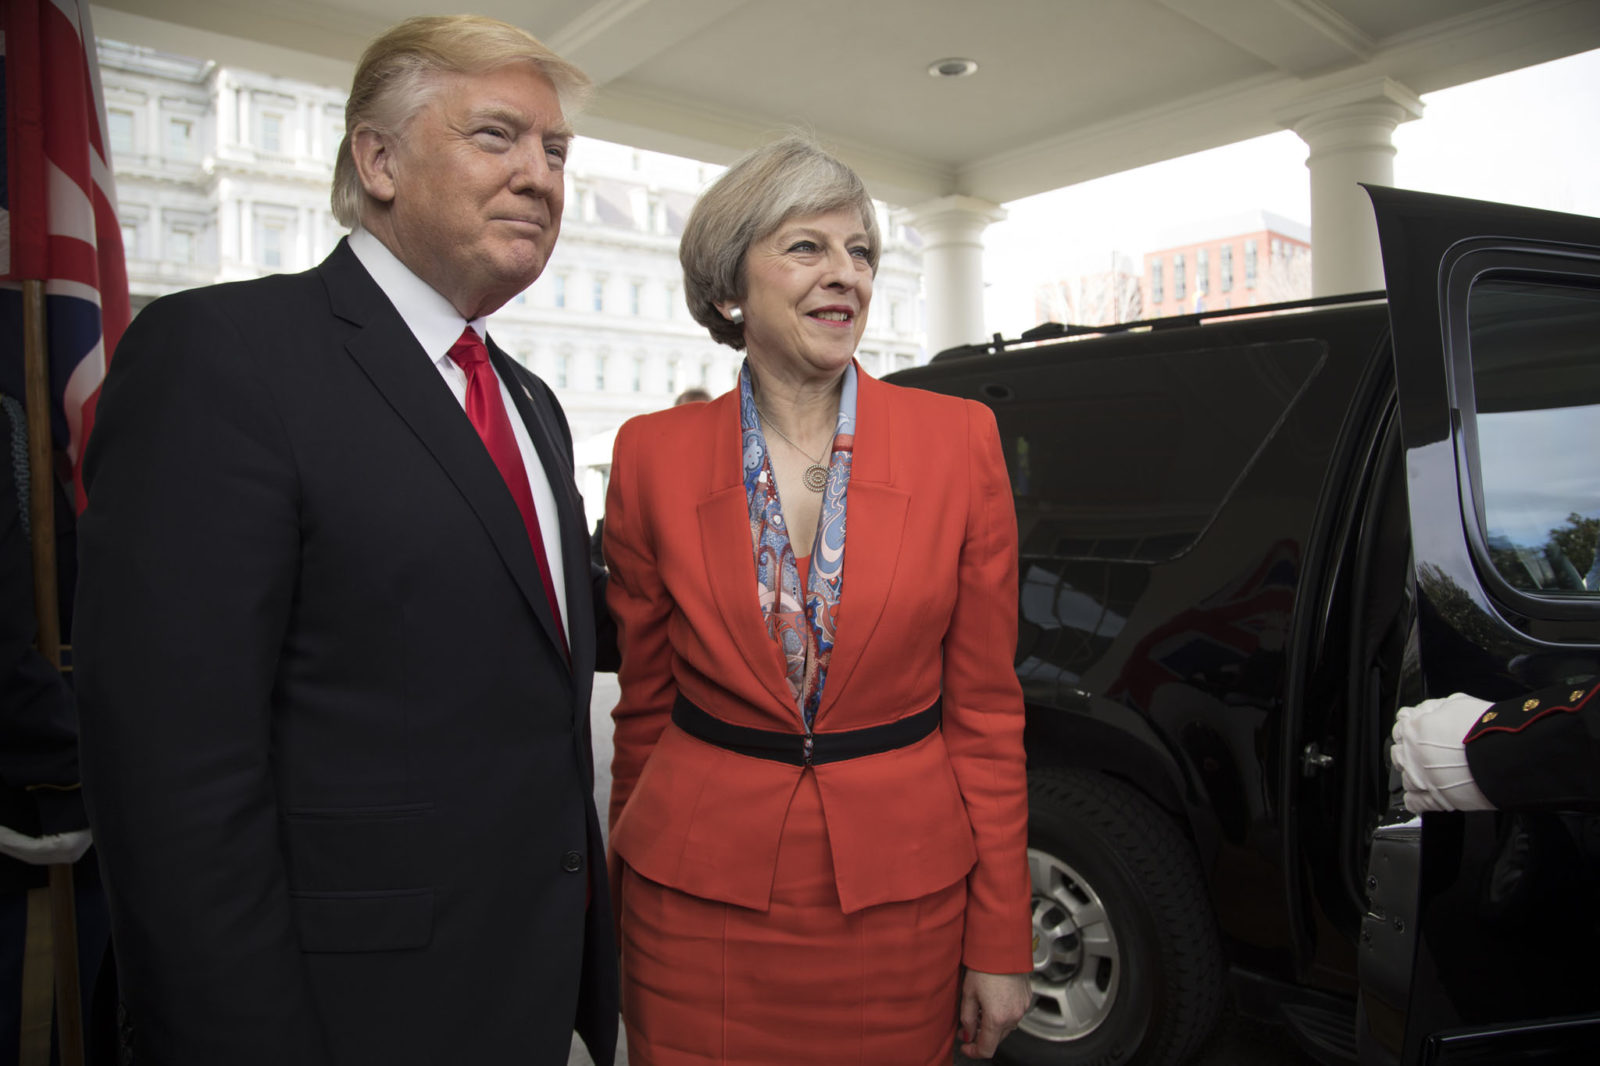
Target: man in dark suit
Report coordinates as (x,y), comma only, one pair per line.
(336,624)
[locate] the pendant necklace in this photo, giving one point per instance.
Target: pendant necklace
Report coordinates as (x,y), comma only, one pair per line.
(816,475)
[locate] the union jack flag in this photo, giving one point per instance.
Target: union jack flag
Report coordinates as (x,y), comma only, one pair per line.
(58,221)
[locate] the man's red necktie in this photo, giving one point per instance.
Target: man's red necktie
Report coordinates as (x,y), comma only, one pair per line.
(487,412)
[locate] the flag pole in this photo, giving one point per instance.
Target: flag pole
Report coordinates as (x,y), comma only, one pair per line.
(42,506)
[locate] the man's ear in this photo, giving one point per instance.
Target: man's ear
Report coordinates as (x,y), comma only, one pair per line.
(374,159)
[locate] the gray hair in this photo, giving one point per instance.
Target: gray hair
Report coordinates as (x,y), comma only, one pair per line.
(776,182)
(399,74)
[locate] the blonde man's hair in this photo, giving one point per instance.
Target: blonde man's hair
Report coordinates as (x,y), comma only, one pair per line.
(399,74)
(785,179)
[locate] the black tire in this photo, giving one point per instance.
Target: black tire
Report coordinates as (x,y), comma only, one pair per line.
(1147,967)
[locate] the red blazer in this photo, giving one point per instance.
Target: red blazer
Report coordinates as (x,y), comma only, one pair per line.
(929,607)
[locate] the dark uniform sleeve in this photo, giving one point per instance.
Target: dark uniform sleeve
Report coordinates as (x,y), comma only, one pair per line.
(39,791)
(1540,751)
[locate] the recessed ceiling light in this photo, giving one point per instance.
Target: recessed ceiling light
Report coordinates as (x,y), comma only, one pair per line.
(954,67)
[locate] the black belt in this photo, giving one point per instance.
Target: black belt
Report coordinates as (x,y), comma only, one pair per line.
(798,749)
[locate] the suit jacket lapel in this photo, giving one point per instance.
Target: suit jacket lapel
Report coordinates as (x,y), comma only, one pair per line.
(556,457)
(724,515)
(398,367)
(875,525)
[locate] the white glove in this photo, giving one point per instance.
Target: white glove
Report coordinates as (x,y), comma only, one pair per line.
(46,850)
(1430,753)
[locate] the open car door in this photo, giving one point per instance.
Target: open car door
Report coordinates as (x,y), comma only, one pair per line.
(1483,930)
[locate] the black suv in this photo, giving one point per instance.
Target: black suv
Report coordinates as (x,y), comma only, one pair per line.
(1245,542)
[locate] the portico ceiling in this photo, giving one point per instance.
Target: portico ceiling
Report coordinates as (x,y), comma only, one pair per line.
(1065,90)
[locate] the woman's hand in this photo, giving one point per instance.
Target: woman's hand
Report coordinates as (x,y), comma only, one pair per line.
(991,1006)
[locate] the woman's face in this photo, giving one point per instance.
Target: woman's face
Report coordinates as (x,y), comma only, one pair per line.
(807,287)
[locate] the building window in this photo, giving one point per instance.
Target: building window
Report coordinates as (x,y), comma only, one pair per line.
(1180,280)
(672,374)
(1202,271)
(672,300)
(638,375)
(558,290)
(1226,268)
(597,296)
(1158,293)
(180,245)
(333,122)
(180,138)
(639,208)
(271,133)
(271,246)
(635,298)
(1250,264)
(563,363)
(119,131)
(600,372)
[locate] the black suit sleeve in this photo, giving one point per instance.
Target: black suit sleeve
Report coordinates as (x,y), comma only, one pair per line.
(188,558)
(38,724)
(1540,751)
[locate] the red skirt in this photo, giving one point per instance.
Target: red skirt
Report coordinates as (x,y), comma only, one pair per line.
(711,984)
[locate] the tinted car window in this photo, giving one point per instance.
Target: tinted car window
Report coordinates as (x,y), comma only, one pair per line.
(1119,463)
(1536,394)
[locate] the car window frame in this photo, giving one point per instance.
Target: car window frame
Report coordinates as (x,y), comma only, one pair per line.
(1465,266)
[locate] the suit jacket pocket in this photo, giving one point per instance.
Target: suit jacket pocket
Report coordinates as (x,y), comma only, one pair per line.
(364,921)
(359,849)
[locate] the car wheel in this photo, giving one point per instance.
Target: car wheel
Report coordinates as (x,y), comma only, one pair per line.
(1127,968)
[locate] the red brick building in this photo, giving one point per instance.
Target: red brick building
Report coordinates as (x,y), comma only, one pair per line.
(1238,261)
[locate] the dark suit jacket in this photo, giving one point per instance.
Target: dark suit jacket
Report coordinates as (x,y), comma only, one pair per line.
(337,766)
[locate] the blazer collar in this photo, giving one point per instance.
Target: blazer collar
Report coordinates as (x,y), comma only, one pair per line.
(385,350)
(877,510)
(877,506)
(539,415)
(874,455)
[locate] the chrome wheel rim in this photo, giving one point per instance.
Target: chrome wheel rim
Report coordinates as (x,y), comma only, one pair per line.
(1076,963)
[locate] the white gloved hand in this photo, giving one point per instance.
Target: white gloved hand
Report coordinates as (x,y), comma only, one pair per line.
(45,850)
(1430,753)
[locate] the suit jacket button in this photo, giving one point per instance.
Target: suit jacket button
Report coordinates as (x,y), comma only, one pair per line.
(572,862)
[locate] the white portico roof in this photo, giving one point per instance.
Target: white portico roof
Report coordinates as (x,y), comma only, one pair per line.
(1065,90)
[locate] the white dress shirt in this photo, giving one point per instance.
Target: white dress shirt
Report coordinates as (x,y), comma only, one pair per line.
(437,325)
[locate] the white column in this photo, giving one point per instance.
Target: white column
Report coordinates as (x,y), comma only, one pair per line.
(247,236)
(1350,133)
(227,114)
(952,266)
(305,242)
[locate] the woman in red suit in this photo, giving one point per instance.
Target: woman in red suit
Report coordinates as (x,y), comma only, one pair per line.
(818,808)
